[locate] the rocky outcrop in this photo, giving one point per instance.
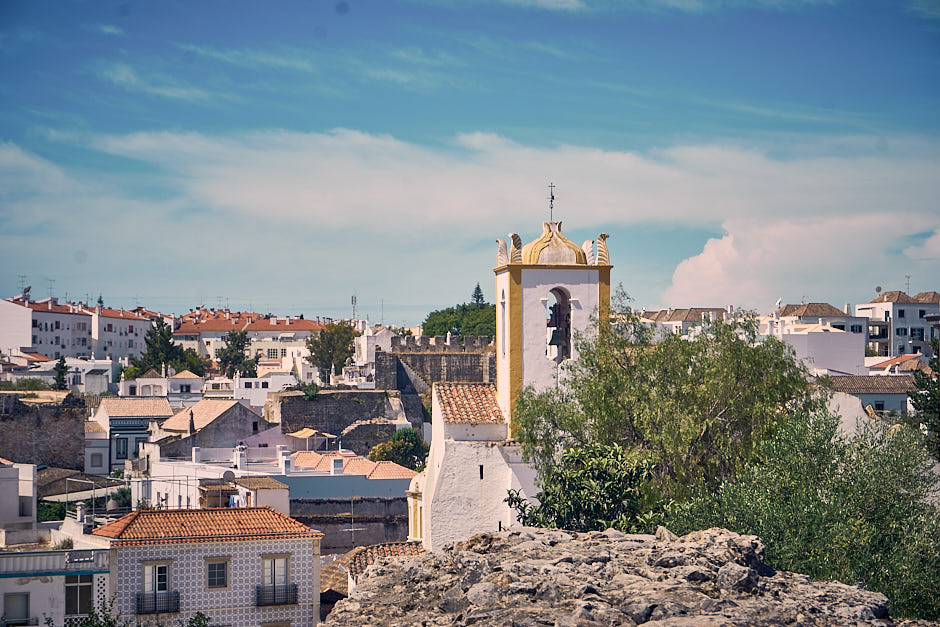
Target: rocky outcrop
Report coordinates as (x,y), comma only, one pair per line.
(549,577)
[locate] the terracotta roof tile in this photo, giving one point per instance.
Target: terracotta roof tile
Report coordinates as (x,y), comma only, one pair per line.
(151,374)
(360,558)
(53,308)
(352,465)
(469,403)
(213,325)
(137,407)
(877,384)
(93,427)
(883,365)
(390,470)
(186,374)
(280,325)
(811,310)
(928,297)
(896,296)
(121,313)
(204,412)
(333,578)
(201,525)
(260,483)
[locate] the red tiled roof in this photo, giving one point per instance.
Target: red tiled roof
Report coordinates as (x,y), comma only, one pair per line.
(469,403)
(883,365)
(211,325)
(360,558)
(138,407)
(203,525)
(928,297)
(812,310)
(121,313)
(93,427)
(280,325)
(36,357)
(352,465)
(877,384)
(204,412)
(896,296)
(260,483)
(691,314)
(52,308)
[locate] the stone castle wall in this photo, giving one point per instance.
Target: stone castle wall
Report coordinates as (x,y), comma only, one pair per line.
(45,434)
(374,520)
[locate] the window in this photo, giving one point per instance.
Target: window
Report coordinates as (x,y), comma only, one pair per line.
(283,352)
(900,331)
(16,608)
(921,313)
(133,390)
(97,460)
(217,574)
(558,346)
(879,406)
(272,353)
(137,443)
(254,426)
(35,323)
(839,325)
(917,334)
(901,313)
(109,328)
(26,506)
(130,328)
(264,384)
(274,571)
(120,448)
(57,326)
(156,577)
(248,385)
(77,595)
(856,328)
(186,388)
(130,343)
(481,472)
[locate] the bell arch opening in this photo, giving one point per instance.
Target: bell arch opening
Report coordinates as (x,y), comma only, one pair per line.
(558,325)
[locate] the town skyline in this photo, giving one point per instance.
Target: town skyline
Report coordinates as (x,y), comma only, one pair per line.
(230,156)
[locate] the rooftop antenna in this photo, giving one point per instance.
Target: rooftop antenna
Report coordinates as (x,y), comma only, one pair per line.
(354,303)
(908,277)
(22,278)
(551,201)
(51,287)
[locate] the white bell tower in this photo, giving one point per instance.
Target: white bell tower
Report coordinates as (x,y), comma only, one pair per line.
(545,292)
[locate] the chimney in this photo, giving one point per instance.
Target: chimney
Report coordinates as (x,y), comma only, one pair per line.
(337,466)
(281,449)
(80,508)
(845,309)
(287,320)
(195,454)
(191,427)
(240,458)
(284,464)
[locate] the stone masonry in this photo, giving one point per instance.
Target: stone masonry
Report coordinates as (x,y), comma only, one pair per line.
(41,432)
(529,576)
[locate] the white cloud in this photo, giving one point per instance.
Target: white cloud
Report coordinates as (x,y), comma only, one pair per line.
(250,58)
(125,76)
(810,225)
(108,29)
(553,5)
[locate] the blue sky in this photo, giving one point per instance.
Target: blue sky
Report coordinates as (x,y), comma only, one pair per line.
(284,156)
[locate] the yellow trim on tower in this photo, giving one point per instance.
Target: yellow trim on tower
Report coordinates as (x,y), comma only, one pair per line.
(515,342)
(603,296)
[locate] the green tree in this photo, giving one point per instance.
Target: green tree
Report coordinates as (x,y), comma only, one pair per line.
(850,508)
(405,448)
(160,350)
(476,298)
(926,400)
(331,347)
(61,375)
(594,486)
(27,384)
(232,356)
(474,318)
(693,406)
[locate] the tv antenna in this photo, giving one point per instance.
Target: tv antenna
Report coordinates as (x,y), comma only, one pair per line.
(22,278)
(355,301)
(908,277)
(551,200)
(51,287)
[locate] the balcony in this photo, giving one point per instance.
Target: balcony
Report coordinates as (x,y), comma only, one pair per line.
(30,563)
(276,595)
(158,602)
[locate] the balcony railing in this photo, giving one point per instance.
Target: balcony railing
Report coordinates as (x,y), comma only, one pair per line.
(158,602)
(276,595)
(10,622)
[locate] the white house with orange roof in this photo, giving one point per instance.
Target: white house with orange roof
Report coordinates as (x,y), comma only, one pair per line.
(45,327)
(898,322)
(546,291)
(126,421)
(240,566)
(118,333)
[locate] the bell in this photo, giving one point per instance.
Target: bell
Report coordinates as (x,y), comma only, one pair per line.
(557,338)
(553,320)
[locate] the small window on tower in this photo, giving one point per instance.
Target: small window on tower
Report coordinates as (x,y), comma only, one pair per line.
(481,472)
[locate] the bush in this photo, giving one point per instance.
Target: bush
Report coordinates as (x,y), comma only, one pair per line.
(29,384)
(405,448)
(853,509)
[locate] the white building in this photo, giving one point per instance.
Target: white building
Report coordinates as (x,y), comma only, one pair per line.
(251,566)
(45,327)
(85,376)
(545,291)
(898,323)
(118,334)
(17,503)
(126,421)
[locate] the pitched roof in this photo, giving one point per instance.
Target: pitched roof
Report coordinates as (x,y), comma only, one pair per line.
(861,384)
(204,412)
(811,310)
(360,558)
(46,305)
(203,525)
(469,403)
(151,374)
(210,325)
(928,297)
(93,427)
(186,374)
(260,483)
(308,432)
(895,296)
(136,407)
(281,325)
(690,314)
(36,357)
(122,313)
(352,465)
(883,365)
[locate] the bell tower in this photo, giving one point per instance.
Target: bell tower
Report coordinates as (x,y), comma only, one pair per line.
(546,291)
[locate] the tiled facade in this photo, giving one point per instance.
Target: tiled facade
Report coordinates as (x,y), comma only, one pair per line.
(233,605)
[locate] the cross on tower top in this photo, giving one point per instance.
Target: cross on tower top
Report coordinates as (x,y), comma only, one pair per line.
(551,200)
